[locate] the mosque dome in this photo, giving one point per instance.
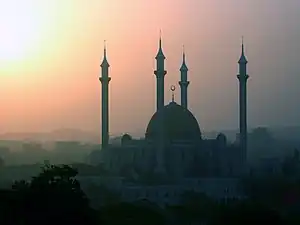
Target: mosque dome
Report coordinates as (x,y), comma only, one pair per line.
(179,124)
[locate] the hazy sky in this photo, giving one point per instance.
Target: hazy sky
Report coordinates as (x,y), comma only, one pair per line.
(50,51)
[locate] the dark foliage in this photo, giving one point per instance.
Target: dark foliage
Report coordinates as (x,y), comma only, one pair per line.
(132,214)
(2,163)
(247,213)
(54,196)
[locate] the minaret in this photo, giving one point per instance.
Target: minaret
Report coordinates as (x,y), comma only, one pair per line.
(160,75)
(105,114)
(243,77)
(184,83)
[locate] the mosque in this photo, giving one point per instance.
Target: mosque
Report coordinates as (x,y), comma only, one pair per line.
(173,147)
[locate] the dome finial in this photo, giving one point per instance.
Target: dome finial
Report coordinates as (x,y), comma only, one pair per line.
(173,88)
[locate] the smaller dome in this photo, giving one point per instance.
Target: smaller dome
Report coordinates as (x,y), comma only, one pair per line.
(125,139)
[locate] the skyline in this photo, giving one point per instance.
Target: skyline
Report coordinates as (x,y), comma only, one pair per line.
(65,70)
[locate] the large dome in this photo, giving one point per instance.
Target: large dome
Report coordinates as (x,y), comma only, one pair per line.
(178,124)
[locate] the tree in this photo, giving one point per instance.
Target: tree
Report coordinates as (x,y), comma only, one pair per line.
(197,207)
(54,196)
(101,195)
(247,213)
(261,134)
(133,214)
(2,163)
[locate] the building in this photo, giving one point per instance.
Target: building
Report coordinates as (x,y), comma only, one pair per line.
(173,149)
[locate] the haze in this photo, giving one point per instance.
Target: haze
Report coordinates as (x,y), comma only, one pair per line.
(53,83)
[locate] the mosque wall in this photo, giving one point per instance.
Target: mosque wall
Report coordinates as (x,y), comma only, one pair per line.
(209,158)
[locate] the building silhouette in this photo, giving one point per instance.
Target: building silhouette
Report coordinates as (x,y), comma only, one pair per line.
(173,157)
(173,146)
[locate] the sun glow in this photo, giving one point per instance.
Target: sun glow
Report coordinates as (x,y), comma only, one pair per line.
(19,30)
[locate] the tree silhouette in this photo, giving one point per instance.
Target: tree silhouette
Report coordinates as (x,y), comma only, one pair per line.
(132,214)
(247,213)
(197,207)
(54,196)
(2,163)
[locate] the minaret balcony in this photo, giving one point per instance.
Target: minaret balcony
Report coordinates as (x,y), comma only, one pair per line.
(159,72)
(184,83)
(242,77)
(104,79)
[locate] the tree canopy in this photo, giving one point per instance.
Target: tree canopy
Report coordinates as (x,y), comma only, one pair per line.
(54,196)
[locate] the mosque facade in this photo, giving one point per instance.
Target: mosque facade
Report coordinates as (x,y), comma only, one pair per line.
(173,147)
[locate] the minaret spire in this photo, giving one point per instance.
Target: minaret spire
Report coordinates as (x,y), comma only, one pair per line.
(183,65)
(159,39)
(160,54)
(243,45)
(160,73)
(105,79)
(183,54)
(184,83)
(104,61)
(243,77)
(243,59)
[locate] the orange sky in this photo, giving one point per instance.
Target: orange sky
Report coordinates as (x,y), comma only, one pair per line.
(53,82)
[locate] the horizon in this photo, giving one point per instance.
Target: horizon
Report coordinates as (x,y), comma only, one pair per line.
(141,134)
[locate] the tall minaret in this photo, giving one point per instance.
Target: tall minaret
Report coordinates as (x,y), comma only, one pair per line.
(243,77)
(160,75)
(105,114)
(184,83)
